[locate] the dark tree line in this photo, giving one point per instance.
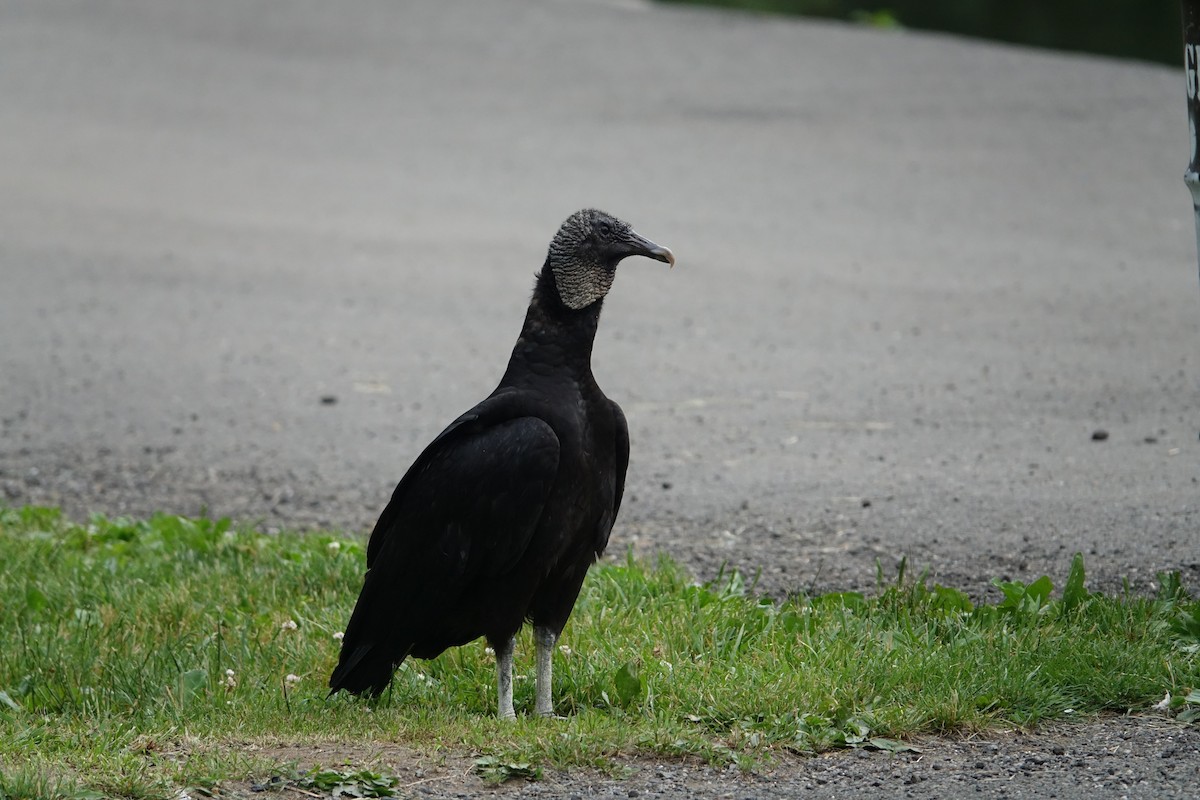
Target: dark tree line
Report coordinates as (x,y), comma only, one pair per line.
(1141,29)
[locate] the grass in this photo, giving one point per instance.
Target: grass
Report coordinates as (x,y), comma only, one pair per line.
(140,657)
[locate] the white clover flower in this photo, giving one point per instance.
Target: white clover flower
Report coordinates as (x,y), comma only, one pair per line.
(291,679)
(290,625)
(230,680)
(337,637)
(564,649)
(333,547)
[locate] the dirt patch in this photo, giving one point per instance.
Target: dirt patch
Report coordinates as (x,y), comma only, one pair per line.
(1131,757)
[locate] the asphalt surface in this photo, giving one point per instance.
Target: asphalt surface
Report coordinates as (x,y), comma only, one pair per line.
(254,256)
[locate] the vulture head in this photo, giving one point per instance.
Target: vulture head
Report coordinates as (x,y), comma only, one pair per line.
(585,252)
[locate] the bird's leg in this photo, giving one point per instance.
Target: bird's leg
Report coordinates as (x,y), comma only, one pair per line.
(504,683)
(546,638)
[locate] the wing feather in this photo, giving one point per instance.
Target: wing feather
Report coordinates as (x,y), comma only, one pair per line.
(621,465)
(465,511)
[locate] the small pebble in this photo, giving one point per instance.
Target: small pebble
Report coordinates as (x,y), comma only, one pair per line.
(328,399)
(1099,435)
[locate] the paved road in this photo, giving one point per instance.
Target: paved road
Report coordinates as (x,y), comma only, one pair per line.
(253,256)
(915,271)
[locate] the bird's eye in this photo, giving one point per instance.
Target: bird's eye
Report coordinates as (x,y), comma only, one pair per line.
(605,229)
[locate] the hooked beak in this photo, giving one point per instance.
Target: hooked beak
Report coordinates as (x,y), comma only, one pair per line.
(644,247)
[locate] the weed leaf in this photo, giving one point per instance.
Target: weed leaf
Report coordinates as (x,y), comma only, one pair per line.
(1185,626)
(497,771)
(629,684)
(1040,590)
(889,745)
(1170,588)
(1191,713)
(1021,600)
(1073,593)
(192,684)
(360,783)
(946,598)
(854,731)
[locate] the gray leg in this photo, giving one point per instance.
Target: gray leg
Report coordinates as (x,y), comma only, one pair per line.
(546,638)
(504,656)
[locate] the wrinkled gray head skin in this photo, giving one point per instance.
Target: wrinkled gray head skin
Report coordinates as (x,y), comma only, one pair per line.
(586,250)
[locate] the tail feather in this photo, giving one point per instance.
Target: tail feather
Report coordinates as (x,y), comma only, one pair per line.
(367,669)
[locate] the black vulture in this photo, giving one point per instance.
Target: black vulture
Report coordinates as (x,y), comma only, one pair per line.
(498,520)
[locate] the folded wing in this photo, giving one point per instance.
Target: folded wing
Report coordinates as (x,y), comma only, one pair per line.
(462,517)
